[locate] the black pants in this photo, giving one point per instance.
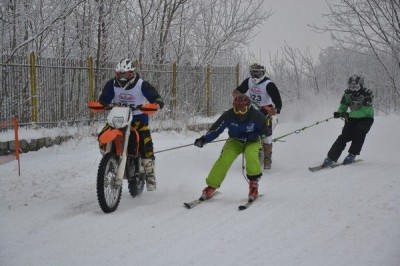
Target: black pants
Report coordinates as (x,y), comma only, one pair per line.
(354,130)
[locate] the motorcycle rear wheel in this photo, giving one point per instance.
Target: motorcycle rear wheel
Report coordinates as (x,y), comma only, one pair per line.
(109,188)
(137,180)
(136,185)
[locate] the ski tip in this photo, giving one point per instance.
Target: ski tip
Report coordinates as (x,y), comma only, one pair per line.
(316,168)
(242,207)
(187,205)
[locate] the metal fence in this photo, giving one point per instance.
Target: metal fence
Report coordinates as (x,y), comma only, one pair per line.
(47,91)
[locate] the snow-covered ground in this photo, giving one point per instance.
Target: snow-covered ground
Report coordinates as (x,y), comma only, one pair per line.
(344,216)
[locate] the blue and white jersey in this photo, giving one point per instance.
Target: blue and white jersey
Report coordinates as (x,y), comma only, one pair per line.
(258,94)
(137,93)
(132,96)
(262,94)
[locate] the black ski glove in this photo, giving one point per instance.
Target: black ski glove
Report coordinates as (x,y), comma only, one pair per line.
(160,102)
(345,115)
(200,142)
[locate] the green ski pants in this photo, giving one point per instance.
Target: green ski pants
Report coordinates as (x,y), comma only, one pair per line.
(231,150)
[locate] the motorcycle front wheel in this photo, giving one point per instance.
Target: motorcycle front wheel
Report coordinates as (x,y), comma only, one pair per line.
(109,188)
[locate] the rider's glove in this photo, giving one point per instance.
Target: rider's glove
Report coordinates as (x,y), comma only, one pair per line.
(160,102)
(200,142)
(345,115)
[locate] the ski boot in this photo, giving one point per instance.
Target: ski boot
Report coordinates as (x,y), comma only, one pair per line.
(148,165)
(207,193)
(349,159)
(253,190)
(327,162)
(267,148)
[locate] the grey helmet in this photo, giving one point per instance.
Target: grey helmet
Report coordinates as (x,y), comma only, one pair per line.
(355,83)
(257,72)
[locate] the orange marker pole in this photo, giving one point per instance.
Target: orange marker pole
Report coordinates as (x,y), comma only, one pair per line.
(16,141)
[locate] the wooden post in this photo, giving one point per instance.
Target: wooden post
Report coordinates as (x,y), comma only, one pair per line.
(208,90)
(90,78)
(174,87)
(237,75)
(33,81)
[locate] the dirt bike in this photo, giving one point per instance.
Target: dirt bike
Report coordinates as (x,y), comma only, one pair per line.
(116,164)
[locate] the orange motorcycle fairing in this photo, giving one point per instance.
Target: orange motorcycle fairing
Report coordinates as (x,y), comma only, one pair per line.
(134,131)
(95,107)
(149,108)
(113,135)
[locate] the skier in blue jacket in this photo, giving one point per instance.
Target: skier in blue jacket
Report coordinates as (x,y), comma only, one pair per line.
(246,127)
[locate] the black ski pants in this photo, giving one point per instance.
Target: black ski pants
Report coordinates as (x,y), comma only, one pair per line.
(354,130)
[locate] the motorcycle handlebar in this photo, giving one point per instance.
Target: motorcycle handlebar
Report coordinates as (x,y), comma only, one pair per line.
(132,106)
(148,109)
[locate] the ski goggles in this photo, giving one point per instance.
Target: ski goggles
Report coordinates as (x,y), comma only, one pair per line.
(354,86)
(256,73)
(125,75)
(240,110)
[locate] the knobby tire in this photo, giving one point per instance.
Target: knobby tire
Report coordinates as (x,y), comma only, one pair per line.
(108,191)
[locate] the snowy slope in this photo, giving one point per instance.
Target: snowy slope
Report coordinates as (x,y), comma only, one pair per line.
(344,216)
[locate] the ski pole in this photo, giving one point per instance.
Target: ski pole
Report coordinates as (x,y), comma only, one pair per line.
(243,168)
(183,146)
(297,131)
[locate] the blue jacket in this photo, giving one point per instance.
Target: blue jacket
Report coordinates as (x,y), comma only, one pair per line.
(252,127)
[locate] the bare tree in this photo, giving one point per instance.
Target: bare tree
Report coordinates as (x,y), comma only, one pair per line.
(311,70)
(292,57)
(368,25)
(148,9)
(23,16)
(225,25)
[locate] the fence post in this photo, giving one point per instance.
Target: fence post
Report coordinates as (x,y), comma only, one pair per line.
(237,75)
(208,90)
(174,89)
(33,81)
(90,78)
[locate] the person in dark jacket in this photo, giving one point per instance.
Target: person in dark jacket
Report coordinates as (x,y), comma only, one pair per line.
(246,126)
(128,87)
(265,95)
(358,121)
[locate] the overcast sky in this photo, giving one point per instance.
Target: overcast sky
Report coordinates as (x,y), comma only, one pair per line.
(289,23)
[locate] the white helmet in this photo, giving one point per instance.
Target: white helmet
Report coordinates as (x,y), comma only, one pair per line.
(125,65)
(257,72)
(124,72)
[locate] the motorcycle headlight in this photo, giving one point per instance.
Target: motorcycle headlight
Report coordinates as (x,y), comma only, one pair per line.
(117,122)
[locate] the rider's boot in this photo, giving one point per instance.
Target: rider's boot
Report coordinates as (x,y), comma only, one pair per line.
(148,165)
(267,148)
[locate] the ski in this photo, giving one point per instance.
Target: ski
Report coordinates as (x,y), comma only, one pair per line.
(340,164)
(317,168)
(247,204)
(320,167)
(194,203)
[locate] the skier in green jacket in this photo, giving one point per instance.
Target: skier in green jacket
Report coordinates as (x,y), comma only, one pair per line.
(358,121)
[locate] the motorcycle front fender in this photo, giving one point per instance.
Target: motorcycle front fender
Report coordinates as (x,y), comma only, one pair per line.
(113,135)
